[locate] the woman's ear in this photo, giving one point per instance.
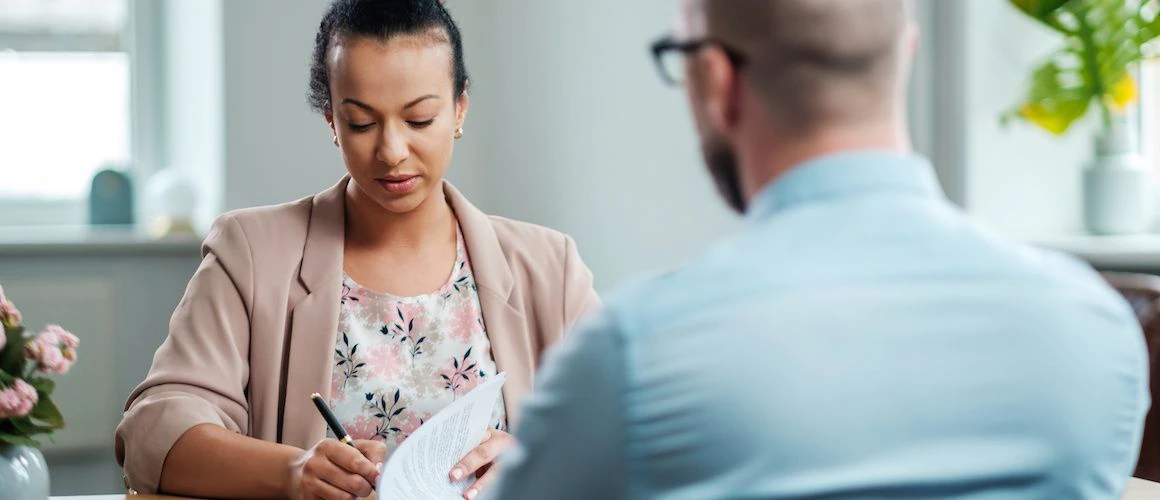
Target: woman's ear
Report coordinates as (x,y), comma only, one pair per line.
(461,105)
(329,115)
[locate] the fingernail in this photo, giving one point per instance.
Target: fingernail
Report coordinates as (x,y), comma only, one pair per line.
(471,493)
(456,473)
(378,465)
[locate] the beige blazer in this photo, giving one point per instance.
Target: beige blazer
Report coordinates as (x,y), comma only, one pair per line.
(252,337)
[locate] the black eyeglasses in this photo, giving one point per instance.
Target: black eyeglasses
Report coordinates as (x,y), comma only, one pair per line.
(670,54)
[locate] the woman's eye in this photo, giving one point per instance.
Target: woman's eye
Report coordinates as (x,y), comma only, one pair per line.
(422,124)
(360,127)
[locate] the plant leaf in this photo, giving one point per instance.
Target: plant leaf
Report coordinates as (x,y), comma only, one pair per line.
(26,427)
(47,412)
(19,440)
(1093,64)
(12,357)
(1039,9)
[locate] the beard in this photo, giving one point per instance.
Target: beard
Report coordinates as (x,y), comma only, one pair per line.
(722,163)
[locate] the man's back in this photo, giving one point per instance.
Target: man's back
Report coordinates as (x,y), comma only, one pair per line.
(859,339)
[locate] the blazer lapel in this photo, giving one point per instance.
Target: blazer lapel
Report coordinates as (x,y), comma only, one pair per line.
(314,319)
(511,344)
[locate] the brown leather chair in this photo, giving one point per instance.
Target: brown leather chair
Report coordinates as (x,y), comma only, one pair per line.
(1143,293)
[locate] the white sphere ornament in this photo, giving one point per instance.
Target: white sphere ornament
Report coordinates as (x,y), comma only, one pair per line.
(172,199)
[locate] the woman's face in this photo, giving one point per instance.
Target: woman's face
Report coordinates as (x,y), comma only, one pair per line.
(394,113)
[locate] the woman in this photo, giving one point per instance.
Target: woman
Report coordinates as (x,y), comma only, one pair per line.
(347,293)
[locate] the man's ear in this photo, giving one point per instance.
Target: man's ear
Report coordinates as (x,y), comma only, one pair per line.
(719,89)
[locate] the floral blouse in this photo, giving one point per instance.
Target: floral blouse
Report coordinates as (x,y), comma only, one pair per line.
(399,360)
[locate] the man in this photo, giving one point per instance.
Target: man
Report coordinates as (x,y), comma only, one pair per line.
(859,338)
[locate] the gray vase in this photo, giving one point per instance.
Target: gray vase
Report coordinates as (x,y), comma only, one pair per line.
(23,473)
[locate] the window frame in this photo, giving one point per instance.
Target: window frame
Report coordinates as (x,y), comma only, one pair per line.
(1148,111)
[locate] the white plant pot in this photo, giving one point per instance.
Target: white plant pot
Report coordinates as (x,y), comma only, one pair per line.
(1118,186)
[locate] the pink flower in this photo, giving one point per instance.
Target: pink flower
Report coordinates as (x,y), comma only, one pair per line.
(54,350)
(9,314)
(17,401)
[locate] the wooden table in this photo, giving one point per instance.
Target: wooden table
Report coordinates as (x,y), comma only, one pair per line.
(1138,489)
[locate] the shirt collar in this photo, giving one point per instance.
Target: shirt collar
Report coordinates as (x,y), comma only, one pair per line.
(846,174)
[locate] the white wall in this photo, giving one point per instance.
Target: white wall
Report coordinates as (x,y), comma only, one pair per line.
(579,133)
(276,149)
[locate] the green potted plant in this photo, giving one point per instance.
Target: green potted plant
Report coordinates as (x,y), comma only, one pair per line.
(1103,40)
(26,407)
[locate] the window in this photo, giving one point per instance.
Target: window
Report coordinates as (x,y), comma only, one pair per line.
(65,107)
(1150,105)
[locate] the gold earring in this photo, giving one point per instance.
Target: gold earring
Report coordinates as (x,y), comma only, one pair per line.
(336,140)
(459,133)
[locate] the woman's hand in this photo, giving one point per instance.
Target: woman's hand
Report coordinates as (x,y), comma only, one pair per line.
(332,470)
(481,461)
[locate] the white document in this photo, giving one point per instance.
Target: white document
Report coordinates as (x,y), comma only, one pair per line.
(420,468)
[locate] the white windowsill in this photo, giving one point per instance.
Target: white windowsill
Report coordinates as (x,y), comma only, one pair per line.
(1118,252)
(87,240)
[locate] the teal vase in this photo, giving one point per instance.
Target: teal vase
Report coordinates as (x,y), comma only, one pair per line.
(23,473)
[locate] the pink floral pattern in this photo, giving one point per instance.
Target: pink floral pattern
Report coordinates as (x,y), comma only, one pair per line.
(399,360)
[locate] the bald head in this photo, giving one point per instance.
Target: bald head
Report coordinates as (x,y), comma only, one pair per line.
(815,62)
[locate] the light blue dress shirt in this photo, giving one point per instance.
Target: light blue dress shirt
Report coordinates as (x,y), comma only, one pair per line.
(859,338)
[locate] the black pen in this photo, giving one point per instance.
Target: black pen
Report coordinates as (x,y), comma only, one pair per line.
(332,420)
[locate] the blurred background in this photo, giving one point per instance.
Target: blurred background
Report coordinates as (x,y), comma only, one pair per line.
(120,120)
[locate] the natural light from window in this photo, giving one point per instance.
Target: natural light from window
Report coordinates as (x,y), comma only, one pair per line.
(64,96)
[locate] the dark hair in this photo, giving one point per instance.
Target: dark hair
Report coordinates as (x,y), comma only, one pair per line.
(381,20)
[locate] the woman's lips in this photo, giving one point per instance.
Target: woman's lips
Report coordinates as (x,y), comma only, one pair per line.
(399,184)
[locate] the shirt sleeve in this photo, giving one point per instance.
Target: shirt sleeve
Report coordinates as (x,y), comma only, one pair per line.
(573,437)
